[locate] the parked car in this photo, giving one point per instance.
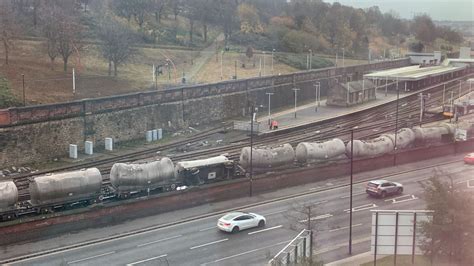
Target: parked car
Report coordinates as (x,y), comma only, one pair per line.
(469,158)
(383,188)
(236,221)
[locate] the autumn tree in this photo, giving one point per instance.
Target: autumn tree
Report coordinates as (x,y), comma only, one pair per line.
(249,19)
(451,231)
(424,29)
(117,41)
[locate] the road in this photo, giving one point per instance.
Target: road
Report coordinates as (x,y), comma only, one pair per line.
(198,242)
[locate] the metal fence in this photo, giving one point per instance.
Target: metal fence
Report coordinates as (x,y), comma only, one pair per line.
(298,250)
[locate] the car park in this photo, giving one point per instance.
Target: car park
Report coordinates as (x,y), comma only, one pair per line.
(469,158)
(383,188)
(236,221)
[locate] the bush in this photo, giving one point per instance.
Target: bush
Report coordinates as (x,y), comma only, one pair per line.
(7,99)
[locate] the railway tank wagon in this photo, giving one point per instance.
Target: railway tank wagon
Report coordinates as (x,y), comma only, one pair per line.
(268,157)
(131,178)
(198,172)
(319,151)
(432,133)
(8,199)
(65,188)
(370,148)
(405,138)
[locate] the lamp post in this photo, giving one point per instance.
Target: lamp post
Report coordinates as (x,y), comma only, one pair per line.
(310,59)
(251,151)
(273,51)
(264,63)
(296,96)
(317,95)
(396,126)
(350,207)
(222,57)
(342,57)
(24,99)
(269,103)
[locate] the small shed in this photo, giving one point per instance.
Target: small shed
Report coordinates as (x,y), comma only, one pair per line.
(351,93)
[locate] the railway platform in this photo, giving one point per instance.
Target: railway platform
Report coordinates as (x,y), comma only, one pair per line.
(310,113)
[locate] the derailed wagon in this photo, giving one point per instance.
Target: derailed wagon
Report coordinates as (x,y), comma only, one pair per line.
(198,172)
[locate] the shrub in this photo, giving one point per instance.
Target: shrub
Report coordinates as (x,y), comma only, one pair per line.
(7,99)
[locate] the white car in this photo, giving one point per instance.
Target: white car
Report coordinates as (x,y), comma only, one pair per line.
(235,221)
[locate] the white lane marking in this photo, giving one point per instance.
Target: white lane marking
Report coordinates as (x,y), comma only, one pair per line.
(93,257)
(402,199)
(272,213)
(246,252)
(159,240)
(209,228)
(361,208)
(354,194)
(319,217)
(345,227)
(141,261)
(314,188)
(210,243)
(266,229)
(324,250)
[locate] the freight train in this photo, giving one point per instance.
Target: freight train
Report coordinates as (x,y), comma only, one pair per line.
(52,192)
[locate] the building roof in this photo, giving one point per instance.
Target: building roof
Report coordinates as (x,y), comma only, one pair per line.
(413,73)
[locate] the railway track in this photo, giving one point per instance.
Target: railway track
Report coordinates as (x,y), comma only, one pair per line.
(334,128)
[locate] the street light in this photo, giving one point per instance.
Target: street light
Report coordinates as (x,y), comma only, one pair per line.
(350,207)
(317,95)
(273,51)
(251,151)
(296,96)
(396,125)
(269,103)
(310,59)
(24,99)
(342,57)
(222,54)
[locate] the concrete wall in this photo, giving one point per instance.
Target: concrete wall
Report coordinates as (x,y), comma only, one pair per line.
(37,133)
(118,212)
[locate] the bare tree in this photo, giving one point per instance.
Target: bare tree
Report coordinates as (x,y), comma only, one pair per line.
(50,32)
(8,27)
(69,37)
(117,41)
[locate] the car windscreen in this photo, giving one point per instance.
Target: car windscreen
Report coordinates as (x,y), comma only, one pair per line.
(230,216)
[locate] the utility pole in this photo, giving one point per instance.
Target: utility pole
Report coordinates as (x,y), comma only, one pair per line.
(310,59)
(343,57)
(273,51)
(251,151)
(296,96)
(24,97)
(235,69)
(264,63)
(350,207)
(222,54)
(317,94)
(269,103)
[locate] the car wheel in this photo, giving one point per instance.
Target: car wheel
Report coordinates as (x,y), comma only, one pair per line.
(400,190)
(261,223)
(235,229)
(384,194)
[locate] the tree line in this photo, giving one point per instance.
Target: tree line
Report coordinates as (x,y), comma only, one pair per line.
(298,26)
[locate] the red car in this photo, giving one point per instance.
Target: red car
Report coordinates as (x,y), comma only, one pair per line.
(469,159)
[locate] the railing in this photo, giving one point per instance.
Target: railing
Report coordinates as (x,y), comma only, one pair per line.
(298,250)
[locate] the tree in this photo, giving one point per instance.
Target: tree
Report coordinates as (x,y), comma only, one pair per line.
(68,37)
(50,32)
(249,19)
(424,29)
(451,231)
(117,41)
(249,52)
(8,28)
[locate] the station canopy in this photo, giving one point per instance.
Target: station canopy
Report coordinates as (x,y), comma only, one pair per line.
(413,73)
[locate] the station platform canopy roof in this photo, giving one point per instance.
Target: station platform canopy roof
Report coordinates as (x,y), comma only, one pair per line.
(413,73)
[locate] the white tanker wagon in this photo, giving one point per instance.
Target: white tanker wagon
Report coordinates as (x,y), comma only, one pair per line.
(8,200)
(314,151)
(65,188)
(267,157)
(405,138)
(370,148)
(132,178)
(433,133)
